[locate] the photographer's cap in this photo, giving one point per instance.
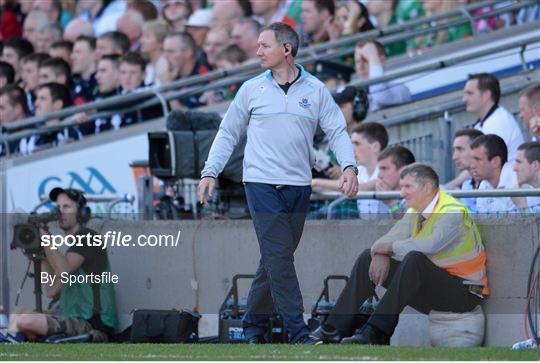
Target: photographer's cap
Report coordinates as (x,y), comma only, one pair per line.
(326,70)
(75,195)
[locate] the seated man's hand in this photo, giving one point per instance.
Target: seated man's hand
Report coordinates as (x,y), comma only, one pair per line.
(378,269)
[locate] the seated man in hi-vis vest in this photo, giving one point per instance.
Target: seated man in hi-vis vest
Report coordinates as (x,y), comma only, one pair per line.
(431,259)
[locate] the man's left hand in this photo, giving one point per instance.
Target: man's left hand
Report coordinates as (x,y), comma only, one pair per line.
(348,183)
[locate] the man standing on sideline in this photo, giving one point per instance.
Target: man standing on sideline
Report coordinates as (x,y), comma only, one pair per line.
(280,110)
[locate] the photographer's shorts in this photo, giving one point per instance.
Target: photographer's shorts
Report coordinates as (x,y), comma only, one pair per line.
(57,324)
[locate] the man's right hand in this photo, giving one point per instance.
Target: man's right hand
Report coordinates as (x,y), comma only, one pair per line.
(378,269)
(206,187)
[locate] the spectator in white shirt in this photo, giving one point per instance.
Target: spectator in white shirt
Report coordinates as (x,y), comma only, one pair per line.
(529,107)
(368,140)
(481,96)
(489,165)
(370,58)
(462,160)
(527,168)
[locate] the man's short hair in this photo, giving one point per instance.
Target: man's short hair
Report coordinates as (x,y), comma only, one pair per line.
(401,156)
(21,46)
(134,59)
(373,132)
(7,72)
(64,44)
(15,96)
(186,40)
(119,40)
(495,146)
(532,94)
(378,45)
(58,92)
(531,151)
(321,5)
(470,133)
(422,173)
(488,82)
(37,58)
(232,53)
(113,58)
(59,67)
(285,34)
(91,41)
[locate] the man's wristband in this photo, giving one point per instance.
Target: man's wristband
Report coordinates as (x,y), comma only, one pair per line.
(354,169)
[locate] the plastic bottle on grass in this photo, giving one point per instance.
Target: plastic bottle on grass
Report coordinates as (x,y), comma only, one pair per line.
(4,323)
(526,344)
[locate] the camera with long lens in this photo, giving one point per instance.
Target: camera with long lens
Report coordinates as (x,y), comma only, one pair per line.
(26,236)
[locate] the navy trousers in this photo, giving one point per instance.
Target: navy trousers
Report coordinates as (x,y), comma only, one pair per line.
(278,214)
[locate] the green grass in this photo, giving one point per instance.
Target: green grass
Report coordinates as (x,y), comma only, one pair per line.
(247,352)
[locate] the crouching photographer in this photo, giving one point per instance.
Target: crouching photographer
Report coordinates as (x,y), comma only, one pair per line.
(86,306)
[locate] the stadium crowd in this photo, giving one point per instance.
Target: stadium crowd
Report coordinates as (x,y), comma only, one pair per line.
(59,53)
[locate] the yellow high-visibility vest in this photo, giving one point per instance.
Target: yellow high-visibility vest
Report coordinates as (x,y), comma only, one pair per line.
(466,259)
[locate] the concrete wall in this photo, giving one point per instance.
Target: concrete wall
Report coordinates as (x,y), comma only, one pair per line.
(211,252)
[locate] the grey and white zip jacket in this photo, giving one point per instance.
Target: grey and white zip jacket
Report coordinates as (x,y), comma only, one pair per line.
(280,129)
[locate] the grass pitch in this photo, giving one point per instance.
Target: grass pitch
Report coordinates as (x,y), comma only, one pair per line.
(248,352)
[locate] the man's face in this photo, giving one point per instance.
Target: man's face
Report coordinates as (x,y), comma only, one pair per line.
(472,97)
(270,51)
(481,168)
(388,173)
(525,171)
(10,56)
(44,102)
(526,112)
(131,76)
(361,64)
(174,10)
(30,29)
(30,76)
(82,58)
(413,192)
(104,46)
(68,212)
(8,113)
(215,42)
(244,37)
(462,152)
(310,17)
(106,76)
(175,52)
(44,41)
(46,75)
(363,149)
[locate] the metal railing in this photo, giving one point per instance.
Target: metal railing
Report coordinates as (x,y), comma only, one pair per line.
(338,198)
(156,95)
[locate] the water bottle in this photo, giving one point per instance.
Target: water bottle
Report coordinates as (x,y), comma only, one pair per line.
(526,344)
(3,318)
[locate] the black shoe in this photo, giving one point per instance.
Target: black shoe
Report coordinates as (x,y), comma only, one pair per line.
(256,339)
(309,339)
(368,335)
(327,336)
